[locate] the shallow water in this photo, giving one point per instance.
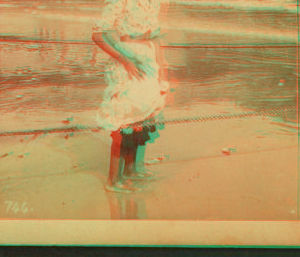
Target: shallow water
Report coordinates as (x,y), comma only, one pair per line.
(49,61)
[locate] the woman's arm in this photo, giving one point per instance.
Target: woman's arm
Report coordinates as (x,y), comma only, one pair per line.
(160,58)
(160,52)
(164,6)
(100,38)
(110,43)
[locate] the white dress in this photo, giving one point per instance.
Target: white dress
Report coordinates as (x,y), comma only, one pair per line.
(127,101)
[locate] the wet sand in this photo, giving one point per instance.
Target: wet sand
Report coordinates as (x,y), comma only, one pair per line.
(62,175)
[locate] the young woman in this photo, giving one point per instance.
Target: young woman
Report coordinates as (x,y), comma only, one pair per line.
(129,32)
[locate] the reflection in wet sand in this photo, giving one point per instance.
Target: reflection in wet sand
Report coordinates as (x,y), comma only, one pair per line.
(126,206)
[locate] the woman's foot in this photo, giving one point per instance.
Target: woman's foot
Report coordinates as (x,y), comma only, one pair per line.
(148,173)
(138,176)
(120,187)
(134,184)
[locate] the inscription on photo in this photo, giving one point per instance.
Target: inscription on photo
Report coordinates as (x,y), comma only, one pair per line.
(17,207)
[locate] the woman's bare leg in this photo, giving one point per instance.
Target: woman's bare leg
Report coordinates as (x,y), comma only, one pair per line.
(139,159)
(139,163)
(129,155)
(132,170)
(129,162)
(117,162)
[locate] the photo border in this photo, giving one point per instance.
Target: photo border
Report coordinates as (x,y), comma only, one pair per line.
(149,233)
(156,232)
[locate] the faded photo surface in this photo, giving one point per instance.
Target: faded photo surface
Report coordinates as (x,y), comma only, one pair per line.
(149,110)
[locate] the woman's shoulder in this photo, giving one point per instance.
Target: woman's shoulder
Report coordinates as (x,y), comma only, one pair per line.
(115,6)
(118,2)
(114,1)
